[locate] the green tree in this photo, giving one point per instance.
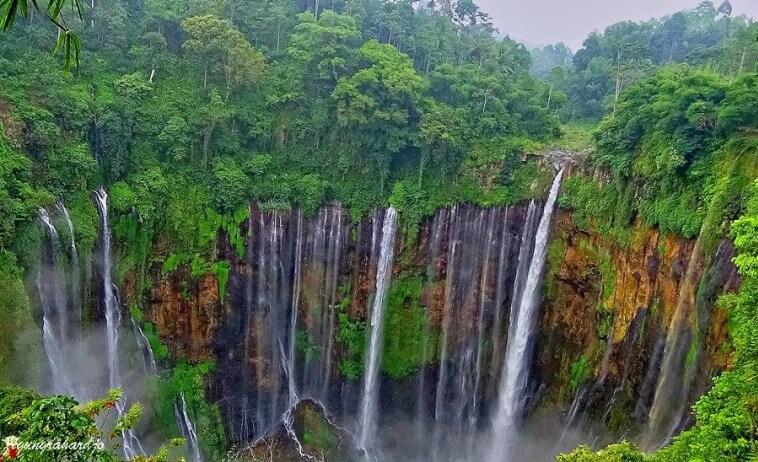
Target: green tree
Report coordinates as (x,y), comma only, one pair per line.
(622,452)
(441,137)
(218,45)
(378,103)
(211,115)
(323,49)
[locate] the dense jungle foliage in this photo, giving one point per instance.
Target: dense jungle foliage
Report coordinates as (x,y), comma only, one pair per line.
(188,110)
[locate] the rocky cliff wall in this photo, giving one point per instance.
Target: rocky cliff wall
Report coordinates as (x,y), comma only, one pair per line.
(604,316)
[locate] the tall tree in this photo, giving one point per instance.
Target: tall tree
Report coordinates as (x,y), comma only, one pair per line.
(378,104)
(219,46)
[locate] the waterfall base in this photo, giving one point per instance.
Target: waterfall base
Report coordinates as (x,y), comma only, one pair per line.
(309,436)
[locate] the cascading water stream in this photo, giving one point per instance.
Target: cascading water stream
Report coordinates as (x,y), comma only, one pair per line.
(297,277)
(132,446)
(50,286)
(64,211)
(439,401)
(145,348)
(674,378)
(469,291)
(187,429)
(112,313)
(473,417)
(74,302)
(513,382)
(369,405)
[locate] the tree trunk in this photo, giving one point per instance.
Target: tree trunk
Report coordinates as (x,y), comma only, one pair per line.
(421,167)
(618,81)
(549,96)
(92,20)
(207,142)
(152,75)
(742,60)
(205,76)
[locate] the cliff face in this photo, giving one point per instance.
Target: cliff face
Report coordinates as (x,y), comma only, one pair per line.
(294,314)
(607,313)
(187,313)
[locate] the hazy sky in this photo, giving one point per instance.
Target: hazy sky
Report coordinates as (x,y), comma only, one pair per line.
(539,22)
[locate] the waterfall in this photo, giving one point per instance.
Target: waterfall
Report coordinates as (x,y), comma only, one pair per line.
(144,345)
(683,351)
(112,312)
(477,247)
(321,249)
(524,263)
(502,267)
(577,406)
(62,208)
(368,412)
(473,416)
(187,429)
(439,401)
(513,381)
(74,302)
(438,224)
(642,406)
(52,295)
(291,382)
(131,444)
(288,298)
(272,312)
(333,258)
(675,377)
(288,421)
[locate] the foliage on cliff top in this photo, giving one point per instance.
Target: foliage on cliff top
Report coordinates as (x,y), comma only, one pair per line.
(178,112)
(677,139)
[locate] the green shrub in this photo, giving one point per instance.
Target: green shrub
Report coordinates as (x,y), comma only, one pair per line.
(351,333)
(580,371)
(405,331)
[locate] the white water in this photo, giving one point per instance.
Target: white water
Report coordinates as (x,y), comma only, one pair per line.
(112,313)
(67,217)
(131,444)
(144,345)
(74,291)
(368,413)
(331,290)
(513,381)
(188,430)
(54,311)
(480,324)
(288,421)
(439,401)
(291,383)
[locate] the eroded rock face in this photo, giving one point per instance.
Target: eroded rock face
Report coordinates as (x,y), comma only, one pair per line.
(607,303)
(619,326)
(187,313)
(309,436)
